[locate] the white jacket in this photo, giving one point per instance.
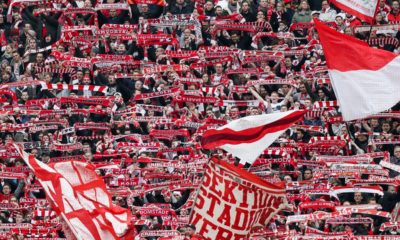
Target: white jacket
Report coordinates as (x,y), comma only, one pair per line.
(328,16)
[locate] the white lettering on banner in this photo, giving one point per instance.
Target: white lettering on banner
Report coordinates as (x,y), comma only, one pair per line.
(228,207)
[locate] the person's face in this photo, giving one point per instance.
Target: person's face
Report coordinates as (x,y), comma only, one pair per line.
(209,6)
(235,38)
(271,3)
(13,200)
(218,11)
(302,88)
(187,33)
(121,48)
(348,31)
(189,231)
(325,5)
(32,44)
(48,38)
(233,2)
(378,17)
(263,3)
(16,56)
(358,197)
(288,62)
(307,103)
(80,21)
(285,88)
(274,97)
(6,189)
(260,15)
(111,80)
(234,112)
(46,159)
(88,156)
(47,78)
(19,218)
(113,13)
(299,134)
(86,81)
(60,48)
(145,8)
(86,148)
(304,5)
(315,15)
(79,75)
(307,175)
(8,49)
(205,78)
(391,189)
(159,51)
(177,196)
(395,5)
(88,3)
(374,122)
(397,152)
(138,85)
(321,94)
(39,58)
(245,7)
(339,21)
(46,138)
(287,179)
(219,69)
(27,27)
(24,96)
(386,127)
(254,111)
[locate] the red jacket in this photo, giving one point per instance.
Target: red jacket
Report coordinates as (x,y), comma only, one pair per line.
(394,17)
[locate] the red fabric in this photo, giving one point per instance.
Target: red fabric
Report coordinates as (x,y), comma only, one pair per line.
(338,47)
(4,197)
(64,191)
(214,138)
(394,17)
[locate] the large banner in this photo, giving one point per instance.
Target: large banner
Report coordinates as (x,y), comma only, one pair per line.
(231,201)
(363,9)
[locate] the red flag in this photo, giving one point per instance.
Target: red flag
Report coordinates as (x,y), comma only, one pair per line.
(246,138)
(231,201)
(364,87)
(80,196)
(364,10)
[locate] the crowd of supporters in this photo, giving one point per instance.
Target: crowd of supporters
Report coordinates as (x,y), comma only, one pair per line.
(131,87)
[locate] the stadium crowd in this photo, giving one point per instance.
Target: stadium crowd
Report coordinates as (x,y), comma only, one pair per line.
(130,87)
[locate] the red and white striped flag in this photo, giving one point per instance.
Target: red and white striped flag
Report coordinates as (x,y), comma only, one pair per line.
(231,201)
(364,87)
(80,196)
(364,10)
(246,138)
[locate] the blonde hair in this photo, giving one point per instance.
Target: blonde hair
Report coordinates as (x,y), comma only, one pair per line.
(308,5)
